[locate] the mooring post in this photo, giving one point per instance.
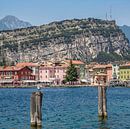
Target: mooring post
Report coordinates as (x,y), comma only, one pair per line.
(35,109)
(102,102)
(32,109)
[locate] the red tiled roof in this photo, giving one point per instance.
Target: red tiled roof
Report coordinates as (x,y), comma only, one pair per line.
(52,66)
(29,64)
(78,62)
(10,68)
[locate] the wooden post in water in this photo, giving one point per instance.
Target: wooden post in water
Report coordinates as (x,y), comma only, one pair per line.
(35,109)
(102,102)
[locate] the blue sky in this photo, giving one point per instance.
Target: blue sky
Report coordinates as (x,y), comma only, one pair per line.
(39,12)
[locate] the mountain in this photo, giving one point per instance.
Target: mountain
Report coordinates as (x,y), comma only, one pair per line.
(11,22)
(82,39)
(126,30)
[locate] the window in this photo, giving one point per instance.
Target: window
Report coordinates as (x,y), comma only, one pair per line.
(46,76)
(46,71)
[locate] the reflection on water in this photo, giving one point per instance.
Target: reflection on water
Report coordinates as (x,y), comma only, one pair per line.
(103,123)
(35,127)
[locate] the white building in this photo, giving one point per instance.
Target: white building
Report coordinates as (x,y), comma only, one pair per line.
(115,71)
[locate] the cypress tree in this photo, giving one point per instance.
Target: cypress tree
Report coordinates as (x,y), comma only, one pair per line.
(71,74)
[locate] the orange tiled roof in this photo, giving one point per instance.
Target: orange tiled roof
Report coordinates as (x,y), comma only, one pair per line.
(128,64)
(52,66)
(29,64)
(76,62)
(102,66)
(10,68)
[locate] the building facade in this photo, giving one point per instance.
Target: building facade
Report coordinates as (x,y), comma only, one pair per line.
(55,72)
(52,73)
(13,74)
(115,71)
(102,74)
(33,66)
(124,72)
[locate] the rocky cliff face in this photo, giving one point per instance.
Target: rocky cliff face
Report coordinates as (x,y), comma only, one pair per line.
(126,30)
(78,39)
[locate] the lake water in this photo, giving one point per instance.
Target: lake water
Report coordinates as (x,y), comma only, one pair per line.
(65,108)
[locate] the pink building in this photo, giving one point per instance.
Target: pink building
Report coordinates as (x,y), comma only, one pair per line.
(52,72)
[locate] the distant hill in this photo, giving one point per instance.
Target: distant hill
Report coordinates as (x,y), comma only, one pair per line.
(11,22)
(80,39)
(126,30)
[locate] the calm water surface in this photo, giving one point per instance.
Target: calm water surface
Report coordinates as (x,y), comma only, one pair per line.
(65,108)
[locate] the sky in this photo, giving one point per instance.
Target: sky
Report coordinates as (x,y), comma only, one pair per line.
(39,12)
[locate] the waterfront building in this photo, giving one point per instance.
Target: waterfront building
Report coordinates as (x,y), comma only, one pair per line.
(89,74)
(33,66)
(50,72)
(115,71)
(102,74)
(13,74)
(55,72)
(124,72)
(79,65)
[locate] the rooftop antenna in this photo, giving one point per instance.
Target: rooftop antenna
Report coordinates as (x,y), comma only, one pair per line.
(110,13)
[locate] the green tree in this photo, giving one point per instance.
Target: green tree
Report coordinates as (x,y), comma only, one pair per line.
(107,57)
(71,74)
(3,61)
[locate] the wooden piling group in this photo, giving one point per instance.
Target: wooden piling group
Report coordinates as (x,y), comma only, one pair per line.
(36,106)
(102,102)
(36,109)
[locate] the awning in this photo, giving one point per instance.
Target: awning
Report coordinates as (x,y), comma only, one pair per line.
(33,81)
(6,81)
(84,80)
(46,81)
